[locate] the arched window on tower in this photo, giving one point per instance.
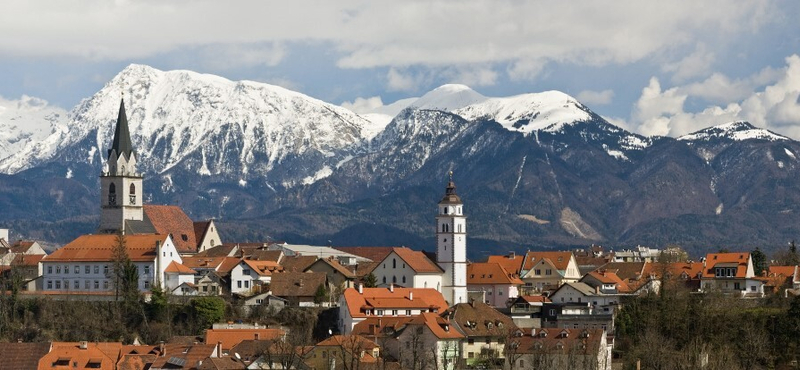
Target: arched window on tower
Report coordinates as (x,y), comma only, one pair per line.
(445,228)
(459,227)
(394,279)
(133,194)
(445,210)
(384,279)
(112,194)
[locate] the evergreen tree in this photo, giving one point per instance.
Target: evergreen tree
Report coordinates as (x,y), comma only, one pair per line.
(370,281)
(759,261)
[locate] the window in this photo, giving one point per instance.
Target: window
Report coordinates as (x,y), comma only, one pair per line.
(96,284)
(87,269)
(752,288)
(112,194)
(58,269)
(737,286)
(105,284)
(553,311)
(548,272)
(404,265)
(380,313)
(96,269)
(488,293)
(66,270)
(239,284)
(86,284)
(404,279)
(146,284)
(521,363)
(538,272)
(394,279)
(408,312)
(459,227)
(247,284)
(77,270)
(470,341)
(76,284)
(394,263)
(49,284)
(58,284)
(500,293)
(471,355)
(133,194)
(49,269)
(394,312)
(147,270)
(246,272)
(384,279)
(105,270)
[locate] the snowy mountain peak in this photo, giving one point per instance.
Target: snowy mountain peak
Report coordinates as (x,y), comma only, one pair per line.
(448,98)
(526,113)
(736,131)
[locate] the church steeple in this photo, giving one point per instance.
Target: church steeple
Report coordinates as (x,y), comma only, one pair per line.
(451,240)
(122,136)
(121,184)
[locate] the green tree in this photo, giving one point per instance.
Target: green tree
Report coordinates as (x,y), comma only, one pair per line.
(370,281)
(320,295)
(125,278)
(208,310)
(759,261)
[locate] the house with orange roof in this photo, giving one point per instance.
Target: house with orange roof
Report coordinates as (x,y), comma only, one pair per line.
(184,356)
(81,355)
(731,273)
(607,281)
(229,338)
(492,284)
(512,262)
(359,304)
(424,341)
(408,268)
(548,270)
(344,352)
(782,277)
(249,275)
(560,349)
(180,279)
(84,265)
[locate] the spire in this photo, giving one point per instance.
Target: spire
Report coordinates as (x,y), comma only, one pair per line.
(122,136)
(450,195)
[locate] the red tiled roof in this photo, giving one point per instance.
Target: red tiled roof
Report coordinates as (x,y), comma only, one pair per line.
(490,273)
(172,220)
(417,260)
(511,264)
(190,354)
(438,325)
(485,320)
(297,263)
(197,262)
(232,337)
(737,260)
(200,228)
(626,270)
(27,259)
(384,298)
(100,247)
(227,265)
(609,277)
(559,259)
(296,284)
(561,341)
(264,268)
(104,354)
(376,254)
(787,271)
(22,355)
(334,264)
(21,246)
(175,267)
(339,340)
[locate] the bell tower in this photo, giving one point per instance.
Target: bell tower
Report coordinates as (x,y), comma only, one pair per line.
(120,184)
(451,240)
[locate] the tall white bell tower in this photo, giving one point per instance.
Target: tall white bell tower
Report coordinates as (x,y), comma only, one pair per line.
(451,238)
(120,185)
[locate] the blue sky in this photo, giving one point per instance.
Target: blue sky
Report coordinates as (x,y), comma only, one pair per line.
(653,67)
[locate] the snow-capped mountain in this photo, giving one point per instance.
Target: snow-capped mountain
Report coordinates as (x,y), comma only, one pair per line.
(535,169)
(208,125)
(25,122)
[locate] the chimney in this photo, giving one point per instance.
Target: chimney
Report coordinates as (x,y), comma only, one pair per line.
(597,289)
(512,255)
(257,336)
(391,287)
(410,296)
(162,350)
(360,288)
(219,349)
(83,344)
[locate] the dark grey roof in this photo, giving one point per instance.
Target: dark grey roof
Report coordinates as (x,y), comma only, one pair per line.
(140,227)
(450,196)
(122,136)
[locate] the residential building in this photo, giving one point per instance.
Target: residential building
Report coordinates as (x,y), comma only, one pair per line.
(731,273)
(299,288)
(85,265)
(548,270)
(408,268)
(607,281)
(356,305)
(451,241)
(580,349)
(249,275)
(81,355)
(526,310)
(206,235)
(493,283)
(184,356)
(343,352)
(512,262)
(228,338)
(485,331)
(339,276)
(180,279)
(638,254)
(22,355)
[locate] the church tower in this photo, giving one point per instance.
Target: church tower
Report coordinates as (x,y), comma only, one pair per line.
(451,238)
(120,184)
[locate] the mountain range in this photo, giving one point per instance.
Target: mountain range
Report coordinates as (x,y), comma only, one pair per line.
(534,170)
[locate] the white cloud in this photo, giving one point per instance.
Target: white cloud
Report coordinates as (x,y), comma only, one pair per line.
(777,107)
(399,34)
(590,97)
(229,56)
(474,76)
(364,105)
(693,65)
(404,81)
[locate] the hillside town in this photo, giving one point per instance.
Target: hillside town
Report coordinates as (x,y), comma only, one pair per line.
(380,307)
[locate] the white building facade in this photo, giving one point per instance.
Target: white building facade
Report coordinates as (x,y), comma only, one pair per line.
(451,239)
